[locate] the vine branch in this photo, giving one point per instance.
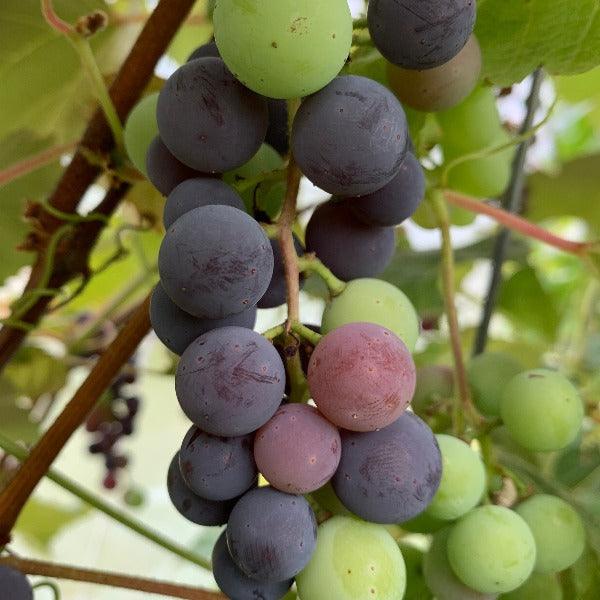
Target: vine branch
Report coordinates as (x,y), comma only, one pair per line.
(149,586)
(43,454)
(71,259)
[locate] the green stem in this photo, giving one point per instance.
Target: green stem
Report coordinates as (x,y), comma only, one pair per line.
(70,486)
(90,65)
(311,264)
(247,184)
(49,584)
(308,334)
(274,332)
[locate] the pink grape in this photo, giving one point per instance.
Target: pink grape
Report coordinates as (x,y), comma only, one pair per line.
(361,376)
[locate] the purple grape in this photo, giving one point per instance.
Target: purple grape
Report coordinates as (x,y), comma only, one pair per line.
(208,49)
(177,329)
(165,172)
(396,201)
(298,450)
(271,535)
(215,261)
(197,192)
(217,468)
(361,376)
(238,586)
(208,119)
(14,585)
(277,133)
(230,381)
(276,292)
(350,137)
(346,245)
(420,34)
(390,475)
(192,507)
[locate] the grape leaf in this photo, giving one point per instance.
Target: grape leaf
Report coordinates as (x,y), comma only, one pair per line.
(516,37)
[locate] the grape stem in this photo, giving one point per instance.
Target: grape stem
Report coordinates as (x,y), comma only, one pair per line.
(463,406)
(98,503)
(309,263)
(274,332)
(48,584)
(304,332)
(18,491)
(149,586)
(518,224)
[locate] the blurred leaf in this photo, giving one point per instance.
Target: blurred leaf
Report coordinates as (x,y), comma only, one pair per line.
(525,301)
(15,422)
(516,37)
(575,463)
(148,201)
(574,191)
(40,521)
(195,32)
(583,88)
(582,580)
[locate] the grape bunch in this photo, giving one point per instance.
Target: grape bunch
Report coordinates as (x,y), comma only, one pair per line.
(256,460)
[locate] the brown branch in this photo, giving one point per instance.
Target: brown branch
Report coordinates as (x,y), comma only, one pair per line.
(125,90)
(141,584)
(43,454)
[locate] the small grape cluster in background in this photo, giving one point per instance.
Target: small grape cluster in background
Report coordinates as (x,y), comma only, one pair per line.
(357,454)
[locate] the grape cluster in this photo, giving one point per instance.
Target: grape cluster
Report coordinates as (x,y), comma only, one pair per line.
(357,451)
(14,585)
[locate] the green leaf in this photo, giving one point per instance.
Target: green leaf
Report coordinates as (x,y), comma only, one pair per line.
(574,191)
(517,36)
(40,521)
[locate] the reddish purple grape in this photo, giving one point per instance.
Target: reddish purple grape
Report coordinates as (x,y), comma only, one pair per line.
(192,507)
(230,381)
(390,475)
(217,468)
(298,450)
(361,376)
(165,172)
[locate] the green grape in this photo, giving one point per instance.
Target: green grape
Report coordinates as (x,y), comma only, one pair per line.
(442,87)
(557,529)
(488,374)
(423,523)
(460,216)
(374,301)
(328,500)
(492,550)
(283,48)
(425,217)
(538,587)
(354,560)
(434,383)
(416,588)
(473,124)
(440,577)
(463,480)
(140,130)
(542,410)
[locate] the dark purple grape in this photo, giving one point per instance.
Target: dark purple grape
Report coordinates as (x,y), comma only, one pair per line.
(271,535)
(390,475)
(420,34)
(277,134)
(276,292)
(177,329)
(350,137)
(209,120)
(217,468)
(215,261)
(208,49)
(349,247)
(396,201)
(192,507)
(14,585)
(298,450)
(238,586)
(230,381)
(198,192)
(164,170)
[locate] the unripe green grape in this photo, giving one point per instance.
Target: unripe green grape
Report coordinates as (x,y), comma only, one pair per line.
(492,550)
(557,529)
(374,301)
(442,87)
(542,410)
(424,523)
(440,577)
(434,383)
(354,560)
(473,124)
(283,48)
(463,480)
(416,588)
(488,373)
(538,587)
(327,499)
(140,130)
